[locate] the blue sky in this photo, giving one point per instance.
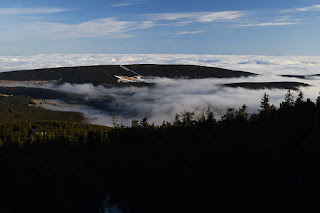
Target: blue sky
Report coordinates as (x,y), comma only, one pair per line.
(274,27)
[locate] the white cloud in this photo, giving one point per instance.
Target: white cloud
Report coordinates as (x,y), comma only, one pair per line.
(267,24)
(143,25)
(287,18)
(122,5)
(304,9)
(128,3)
(303,65)
(191,32)
(221,16)
(204,17)
(31,11)
(107,27)
(44,30)
(172,96)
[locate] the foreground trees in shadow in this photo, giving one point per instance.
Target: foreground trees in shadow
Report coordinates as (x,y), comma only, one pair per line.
(262,162)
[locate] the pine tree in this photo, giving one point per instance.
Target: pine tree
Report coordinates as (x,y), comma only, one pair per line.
(187,118)
(210,116)
(115,121)
(144,122)
(242,113)
(230,115)
(318,101)
(288,101)
(134,123)
(299,99)
(177,121)
(265,106)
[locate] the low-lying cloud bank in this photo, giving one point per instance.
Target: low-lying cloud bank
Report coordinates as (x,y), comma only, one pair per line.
(170,96)
(302,65)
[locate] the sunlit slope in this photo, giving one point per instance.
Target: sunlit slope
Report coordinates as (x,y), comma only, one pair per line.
(105,74)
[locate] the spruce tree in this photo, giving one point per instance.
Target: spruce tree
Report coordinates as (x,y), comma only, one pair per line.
(115,121)
(288,101)
(265,106)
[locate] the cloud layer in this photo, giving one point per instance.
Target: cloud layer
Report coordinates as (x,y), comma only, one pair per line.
(171,96)
(125,27)
(203,17)
(312,8)
(31,11)
(294,65)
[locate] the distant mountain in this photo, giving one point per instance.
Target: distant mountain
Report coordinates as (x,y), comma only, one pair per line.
(268,85)
(296,76)
(301,76)
(105,74)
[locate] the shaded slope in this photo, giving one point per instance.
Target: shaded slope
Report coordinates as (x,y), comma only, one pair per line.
(38,93)
(268,85)
(101,103)
(16,108)
(301,76)
(105,74)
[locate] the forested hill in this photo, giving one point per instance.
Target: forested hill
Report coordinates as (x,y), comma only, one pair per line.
(104,74)
(262,162)
(268,85)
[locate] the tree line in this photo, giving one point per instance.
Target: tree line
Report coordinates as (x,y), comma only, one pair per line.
(261,162)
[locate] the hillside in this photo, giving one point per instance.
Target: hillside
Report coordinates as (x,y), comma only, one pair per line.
(191,165)
(301,76)
(105,74)
(19,108)
(38,93)
(268,85)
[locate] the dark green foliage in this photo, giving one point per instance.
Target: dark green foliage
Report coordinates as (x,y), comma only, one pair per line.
(115,121)
(299,100)
(264,162)
(266,108)
(187,118)
(134,123)
(17,108)
(229,116)
(37,93)
(318,101)
(288,102)
(268,85)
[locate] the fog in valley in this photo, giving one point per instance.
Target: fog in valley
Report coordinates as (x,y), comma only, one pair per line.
(167,97)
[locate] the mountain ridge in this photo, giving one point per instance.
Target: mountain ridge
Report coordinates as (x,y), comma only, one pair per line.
(104,74)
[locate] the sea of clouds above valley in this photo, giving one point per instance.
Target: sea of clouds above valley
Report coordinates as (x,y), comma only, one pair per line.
(303,65)
(171,96)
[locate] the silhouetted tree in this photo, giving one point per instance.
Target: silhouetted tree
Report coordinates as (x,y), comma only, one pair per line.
(134,123)
(288,100)
(230,115)
(177,121)
(318,101)
(210,116)
(187,118)
(265,106)
(144,122)
(242,113)
(115,121)
(299,100)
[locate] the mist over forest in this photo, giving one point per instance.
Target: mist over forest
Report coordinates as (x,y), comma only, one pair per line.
(163,97)
(142,106)
(186,138)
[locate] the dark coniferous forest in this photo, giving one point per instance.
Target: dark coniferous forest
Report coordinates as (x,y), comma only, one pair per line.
(262,162)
